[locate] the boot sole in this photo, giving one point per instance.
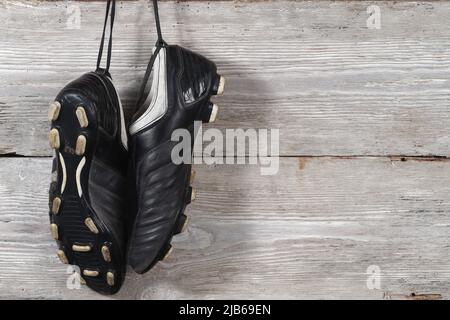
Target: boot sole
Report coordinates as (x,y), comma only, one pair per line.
(82,238)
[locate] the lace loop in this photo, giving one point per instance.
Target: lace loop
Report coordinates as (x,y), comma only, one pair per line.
(110,11)
(158,23)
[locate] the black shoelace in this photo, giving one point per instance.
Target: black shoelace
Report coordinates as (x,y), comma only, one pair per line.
(110,10)
(160,43)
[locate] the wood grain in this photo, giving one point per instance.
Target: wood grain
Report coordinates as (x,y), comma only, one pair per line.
(312,69)
(343,96)
(309,232)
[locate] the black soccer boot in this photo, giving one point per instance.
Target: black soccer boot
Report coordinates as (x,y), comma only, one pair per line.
(87,194)
(182,85)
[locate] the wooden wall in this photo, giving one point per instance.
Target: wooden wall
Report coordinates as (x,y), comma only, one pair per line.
(364,139)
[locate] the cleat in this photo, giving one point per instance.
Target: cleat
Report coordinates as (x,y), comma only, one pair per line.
(62,256)
(54,139)
(221,89)
(90,273)
(218,87)
(180,78)
(82,117)
(214,112)
(90,136)
(106,254)
(81,145)
(192,178)
(54,231)
(56,204)
(193,194)
(91,225)
(53,112)
(78,248)
(185,225)
(168,253)
(110,278)
(210,113)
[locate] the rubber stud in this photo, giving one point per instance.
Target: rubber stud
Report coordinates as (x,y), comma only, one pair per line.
(53,112)
(62,256)
(214,112)
(210,113)
(221,89)
(90,273)
(192,178)
(54,139)
(81,145)
(54,231)
(186,224)
(56,205)
(168,253)
(106,254)
(79,248)
(91,225)
(82,117)
(191,195)
(110,279)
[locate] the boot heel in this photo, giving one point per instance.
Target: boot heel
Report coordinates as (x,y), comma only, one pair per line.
(210,114)
(219,86)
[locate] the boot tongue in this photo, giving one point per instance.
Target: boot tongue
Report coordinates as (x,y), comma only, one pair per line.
(149,85)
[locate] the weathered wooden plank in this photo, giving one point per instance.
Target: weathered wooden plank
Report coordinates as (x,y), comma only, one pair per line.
(312,69)
(309,232)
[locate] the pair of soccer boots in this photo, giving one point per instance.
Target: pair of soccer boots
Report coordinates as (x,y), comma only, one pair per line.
(116,195)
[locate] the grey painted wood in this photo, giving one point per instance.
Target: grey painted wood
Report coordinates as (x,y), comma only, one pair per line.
(312,69)
(309,232)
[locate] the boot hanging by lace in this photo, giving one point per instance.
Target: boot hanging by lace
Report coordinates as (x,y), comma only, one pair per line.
(110,10)
(160,43)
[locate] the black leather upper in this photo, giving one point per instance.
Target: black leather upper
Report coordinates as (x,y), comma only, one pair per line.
(162,187)
(106,184)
